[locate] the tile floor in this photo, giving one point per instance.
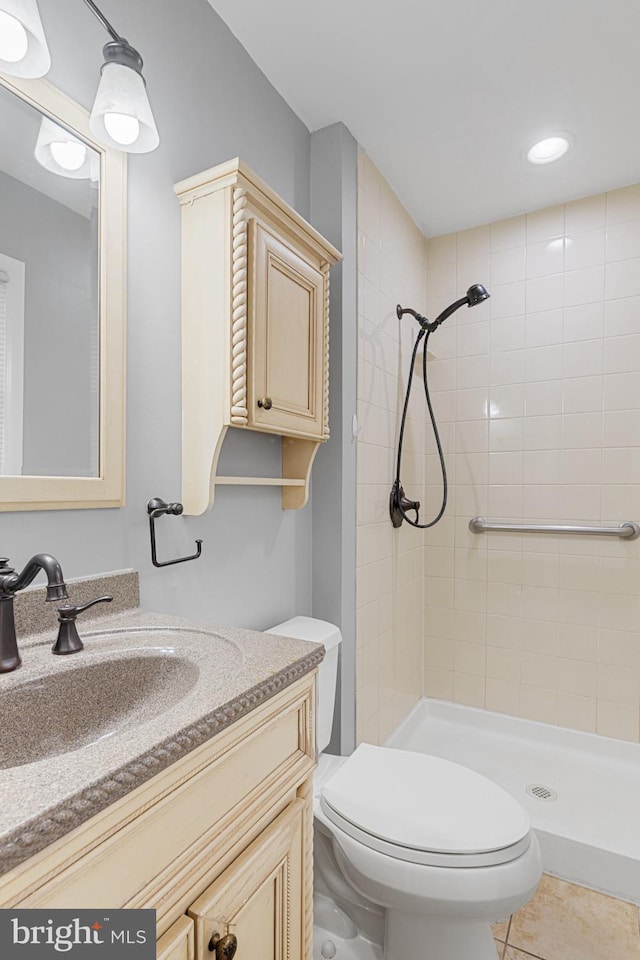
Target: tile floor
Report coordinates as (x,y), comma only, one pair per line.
(566,922)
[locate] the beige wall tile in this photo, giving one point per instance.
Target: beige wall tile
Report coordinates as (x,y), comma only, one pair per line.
(621,317)
(619,648)
(583,215)
(503,697)
(508,233)
(469,626)
(618,720)
(567,922)
(438,683)
(390,565)
(623,204)
(545,224)
(619,684)
(537,703)
(439,653)
(469,658)
(577,677)
(469,689)
(368,732)
(579,713)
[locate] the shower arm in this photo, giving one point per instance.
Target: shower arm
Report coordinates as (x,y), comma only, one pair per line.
(431,325)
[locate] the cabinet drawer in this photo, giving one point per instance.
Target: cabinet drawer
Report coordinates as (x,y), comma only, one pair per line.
(258,899)
(178,942)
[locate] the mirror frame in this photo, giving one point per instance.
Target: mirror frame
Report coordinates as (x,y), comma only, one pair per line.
(108,488)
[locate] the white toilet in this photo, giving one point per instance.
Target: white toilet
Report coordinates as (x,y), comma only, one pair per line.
(412,852)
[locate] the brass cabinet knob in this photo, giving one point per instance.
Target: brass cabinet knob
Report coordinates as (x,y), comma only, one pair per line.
(224,947)
(265,403)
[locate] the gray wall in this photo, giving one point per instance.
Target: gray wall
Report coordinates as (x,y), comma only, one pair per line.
(57,246)
(334,190)
(211,103)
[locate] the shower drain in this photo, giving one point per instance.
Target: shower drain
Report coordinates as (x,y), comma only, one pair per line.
(541,792)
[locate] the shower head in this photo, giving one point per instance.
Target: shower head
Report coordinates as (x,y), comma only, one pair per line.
(474,295)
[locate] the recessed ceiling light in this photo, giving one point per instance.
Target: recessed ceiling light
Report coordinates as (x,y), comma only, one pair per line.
(546,151)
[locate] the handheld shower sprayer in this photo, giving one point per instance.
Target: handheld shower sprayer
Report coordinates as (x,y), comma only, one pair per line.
(399,503)
(474,295)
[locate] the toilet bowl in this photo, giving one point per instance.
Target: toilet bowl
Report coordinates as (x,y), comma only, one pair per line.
(419,853)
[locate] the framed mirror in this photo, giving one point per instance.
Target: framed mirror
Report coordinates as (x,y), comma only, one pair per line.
(62,305)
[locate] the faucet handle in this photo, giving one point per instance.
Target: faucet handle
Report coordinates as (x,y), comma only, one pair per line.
(68,640)
(70,612)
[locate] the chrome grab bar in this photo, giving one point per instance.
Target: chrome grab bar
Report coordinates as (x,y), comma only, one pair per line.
(629,530)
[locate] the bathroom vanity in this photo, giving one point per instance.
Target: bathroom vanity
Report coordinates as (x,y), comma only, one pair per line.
(199,807)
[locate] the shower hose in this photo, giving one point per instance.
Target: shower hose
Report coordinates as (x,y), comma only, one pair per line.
(423,335)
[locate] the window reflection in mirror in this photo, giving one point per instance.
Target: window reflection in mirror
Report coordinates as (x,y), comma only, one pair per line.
(49,297)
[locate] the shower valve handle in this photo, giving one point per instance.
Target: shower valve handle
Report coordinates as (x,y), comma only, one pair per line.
(399,504)
(407,504)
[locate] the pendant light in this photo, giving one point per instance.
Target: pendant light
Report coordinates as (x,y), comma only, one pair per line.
(23,45)
(121,116)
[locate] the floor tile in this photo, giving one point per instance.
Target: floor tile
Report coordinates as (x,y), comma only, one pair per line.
(566,922)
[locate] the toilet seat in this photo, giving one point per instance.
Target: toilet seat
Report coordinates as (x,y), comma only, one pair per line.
(423,809)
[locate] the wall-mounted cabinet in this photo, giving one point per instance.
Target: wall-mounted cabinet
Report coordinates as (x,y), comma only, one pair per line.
(255,322)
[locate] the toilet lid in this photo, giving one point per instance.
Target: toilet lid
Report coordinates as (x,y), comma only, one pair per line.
(423,803)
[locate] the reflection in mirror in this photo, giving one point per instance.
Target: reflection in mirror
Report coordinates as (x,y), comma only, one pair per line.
(49,296)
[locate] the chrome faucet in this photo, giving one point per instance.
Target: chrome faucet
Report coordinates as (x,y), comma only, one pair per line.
(10,584)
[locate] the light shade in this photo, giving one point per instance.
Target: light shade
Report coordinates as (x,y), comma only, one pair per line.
(60,152)
(23,46)
(121,115)
(548,150)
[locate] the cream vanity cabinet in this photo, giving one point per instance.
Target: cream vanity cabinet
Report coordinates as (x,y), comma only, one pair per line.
(219,844)
(256,901)
(178,942)
(255,322)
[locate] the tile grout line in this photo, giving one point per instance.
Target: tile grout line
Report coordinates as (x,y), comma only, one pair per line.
(532,956)
(513,947)
(506,939)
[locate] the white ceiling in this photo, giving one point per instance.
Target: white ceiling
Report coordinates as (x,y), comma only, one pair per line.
(447,95)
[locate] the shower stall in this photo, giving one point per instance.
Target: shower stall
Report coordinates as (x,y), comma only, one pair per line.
(509,631)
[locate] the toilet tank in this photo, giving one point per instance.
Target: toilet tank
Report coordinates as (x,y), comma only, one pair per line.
(318,631)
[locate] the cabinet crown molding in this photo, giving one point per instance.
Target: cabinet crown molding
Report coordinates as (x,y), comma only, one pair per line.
(235,173)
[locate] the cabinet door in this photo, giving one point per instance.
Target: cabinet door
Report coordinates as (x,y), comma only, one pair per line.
(178,942)
(286,360)
(259,898)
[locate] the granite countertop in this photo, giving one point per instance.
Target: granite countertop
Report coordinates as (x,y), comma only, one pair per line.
(207,678)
